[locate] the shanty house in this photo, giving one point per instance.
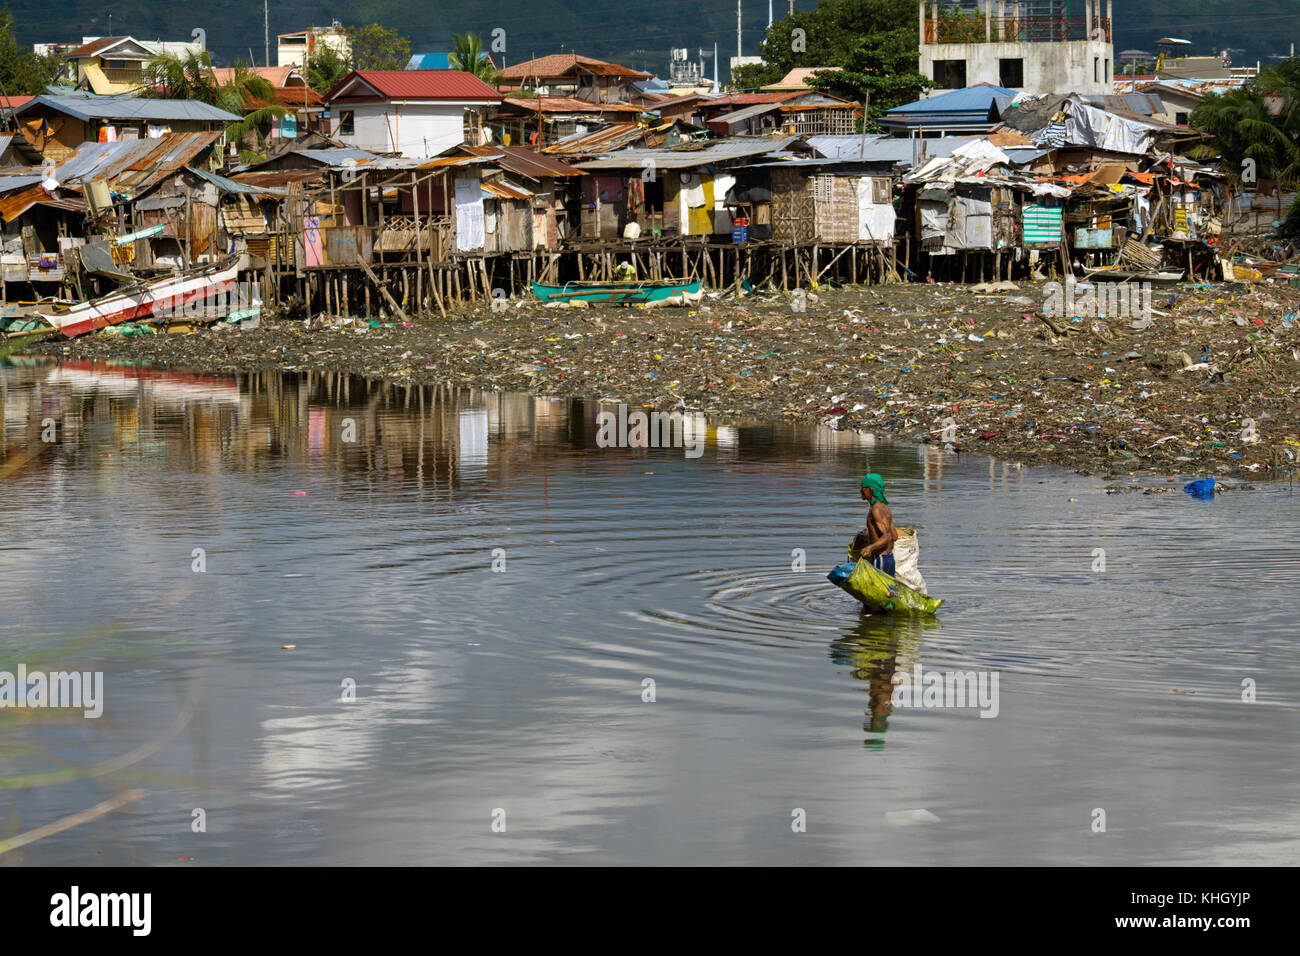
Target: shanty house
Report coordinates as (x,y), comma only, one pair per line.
(795,114)
(544,120)
(39,229)
(580,77)
(830,201)
(415,113)
(553,185)
(57,124)
(679,191)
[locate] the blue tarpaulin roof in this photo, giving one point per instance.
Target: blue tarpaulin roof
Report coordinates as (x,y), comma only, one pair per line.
(973,99)
(429,61)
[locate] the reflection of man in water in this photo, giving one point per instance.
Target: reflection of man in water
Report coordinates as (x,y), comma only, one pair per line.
(875,542)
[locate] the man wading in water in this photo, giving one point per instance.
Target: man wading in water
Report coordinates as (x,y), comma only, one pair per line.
(875,542)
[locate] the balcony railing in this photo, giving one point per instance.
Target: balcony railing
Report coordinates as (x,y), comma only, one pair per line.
(975,29)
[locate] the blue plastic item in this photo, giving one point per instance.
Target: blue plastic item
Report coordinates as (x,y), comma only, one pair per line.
(840,573)
(1200,489)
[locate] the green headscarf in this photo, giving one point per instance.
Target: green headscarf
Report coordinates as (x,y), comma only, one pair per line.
(877,486)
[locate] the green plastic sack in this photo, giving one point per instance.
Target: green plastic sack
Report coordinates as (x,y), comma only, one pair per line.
(884,594)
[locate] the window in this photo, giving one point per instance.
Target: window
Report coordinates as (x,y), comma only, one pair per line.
(1011,73)
(880,191)
(823,188)
(347,124)
(950,74)
(1180,119)
(1106,69)
(1096,69)
(117,64)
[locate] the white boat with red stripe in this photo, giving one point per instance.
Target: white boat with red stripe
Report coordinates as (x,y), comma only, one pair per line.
(158,299)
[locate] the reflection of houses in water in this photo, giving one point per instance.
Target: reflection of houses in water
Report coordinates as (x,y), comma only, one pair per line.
(338,424)
(831,442)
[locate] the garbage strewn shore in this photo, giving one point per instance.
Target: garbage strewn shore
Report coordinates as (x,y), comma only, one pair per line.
(1204,385)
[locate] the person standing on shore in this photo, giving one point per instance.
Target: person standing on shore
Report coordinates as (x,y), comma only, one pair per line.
(875,542)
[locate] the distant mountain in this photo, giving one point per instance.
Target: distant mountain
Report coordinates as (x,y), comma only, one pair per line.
(636,34)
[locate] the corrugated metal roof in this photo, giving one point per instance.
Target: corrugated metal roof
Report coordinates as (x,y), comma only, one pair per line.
(14,205)
(132,165)
(882,148)
(712,152)
(272,178)
(748,112)
(235,188)
(88,106)
(973,99)
(524,162)
(1146,104)
(344,156)
(567,104)
(499,190)
(598,140)
(18,178)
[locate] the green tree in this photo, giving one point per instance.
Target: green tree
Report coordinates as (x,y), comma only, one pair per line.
(375,47)
(24,73)
(325,67)
(1241,126)
(468,55)
(752,76)
(831,32)
(882,65)
(185,76)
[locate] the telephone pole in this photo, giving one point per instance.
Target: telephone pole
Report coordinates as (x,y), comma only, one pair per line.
(266,31)
(738,50)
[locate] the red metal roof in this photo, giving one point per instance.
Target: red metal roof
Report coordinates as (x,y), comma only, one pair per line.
(416,85)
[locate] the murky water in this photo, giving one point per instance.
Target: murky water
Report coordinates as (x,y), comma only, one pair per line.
(514,696)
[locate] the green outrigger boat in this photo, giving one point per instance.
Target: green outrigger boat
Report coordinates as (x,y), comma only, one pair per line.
(620,293)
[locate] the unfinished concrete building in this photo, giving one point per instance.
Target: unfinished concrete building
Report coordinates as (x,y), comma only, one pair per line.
(1028,45)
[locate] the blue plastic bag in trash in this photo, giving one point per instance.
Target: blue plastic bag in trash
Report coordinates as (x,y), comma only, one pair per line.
(840,573)
(1200,489)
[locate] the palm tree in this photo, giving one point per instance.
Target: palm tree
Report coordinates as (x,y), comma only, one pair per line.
(252,96)
(1241,126)
(468,55)
(190,77)
(185,76)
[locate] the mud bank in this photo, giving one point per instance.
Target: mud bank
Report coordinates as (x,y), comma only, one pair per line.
(1204,383)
